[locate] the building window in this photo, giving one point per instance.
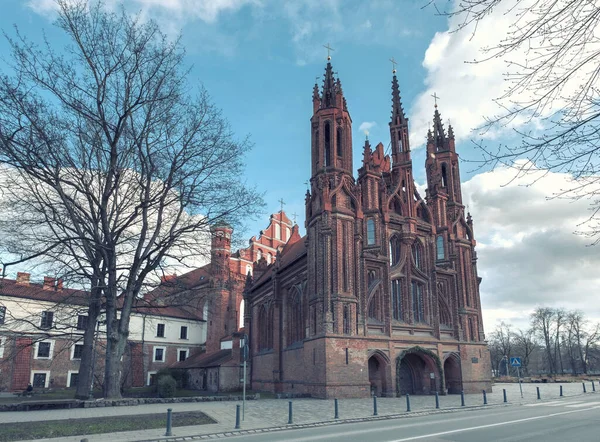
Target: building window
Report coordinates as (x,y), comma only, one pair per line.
(417,302)
(77,351)
(417,255)
(82,322)
(288,233)
(44,350)
(346,321)
(370,232)
(159,354)
(248,269)
(258,255)
(394,250)
(2,314)
(277,231)
(397,299)
(376,307)
(265,328)
(327,145)
(439,242)
(47,318)
(40,379)
(183,334)
(182,354)
(295,317)
(151,378)
(269,258)
(339,143)
(160,330)
(73,379)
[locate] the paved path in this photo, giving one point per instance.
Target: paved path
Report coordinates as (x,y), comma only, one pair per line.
(269,413)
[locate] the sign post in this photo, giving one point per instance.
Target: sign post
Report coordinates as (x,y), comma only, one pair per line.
(516,362)
(245,356)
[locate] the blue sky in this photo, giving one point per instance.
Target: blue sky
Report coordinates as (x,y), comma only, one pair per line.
(259,60)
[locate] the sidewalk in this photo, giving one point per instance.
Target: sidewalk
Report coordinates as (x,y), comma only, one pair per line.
(273,413)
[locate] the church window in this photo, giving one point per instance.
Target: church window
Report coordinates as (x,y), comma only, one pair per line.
(444,176)
(371,276)
(294,318)
(417,302)
(400,146)
(440,247)
(258,255)
(288,233)
(265,328)
(346,320)
(339,143)
(242,311)
(370,232)
(248,269)
(376,307)
(471,330)
(417,254)
(394,250)
(397,299)
(269,258)
(277,231)
(345,256)
(327,145)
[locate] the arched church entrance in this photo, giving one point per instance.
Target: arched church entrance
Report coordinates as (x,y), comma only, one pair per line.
(452,374)
(378,374)
(417,372)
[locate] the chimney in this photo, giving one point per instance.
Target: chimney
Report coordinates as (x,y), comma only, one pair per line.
(59,285)
(23,278)
(48,283)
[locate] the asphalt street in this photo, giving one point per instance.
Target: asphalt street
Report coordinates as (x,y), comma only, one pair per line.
(566,419)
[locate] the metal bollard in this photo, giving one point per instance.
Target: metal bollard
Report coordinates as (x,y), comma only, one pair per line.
(593,386)
(437,400)
(538,392)
(583,383)
(504,394)
(169,422)
(290,418)
(335,403)
(407,403)
(374,405)
(462,398)
(561,394)
(237,417)
(484,398)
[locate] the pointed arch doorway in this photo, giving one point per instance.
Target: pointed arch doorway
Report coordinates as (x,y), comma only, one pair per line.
(418,371)
(378,366)
(452,374)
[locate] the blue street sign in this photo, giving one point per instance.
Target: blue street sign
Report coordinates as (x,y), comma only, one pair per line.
(515,362)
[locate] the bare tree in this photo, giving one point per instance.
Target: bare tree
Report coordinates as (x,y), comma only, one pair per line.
(542,320)
(117,163)
(524,344)
(501,341)
(552,56)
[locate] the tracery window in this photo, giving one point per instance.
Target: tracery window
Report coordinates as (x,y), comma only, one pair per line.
(346,319)
(394,250)
(417,253)
(370,231)
(439,242)
(376,307)
(417,302)
(396,291)
(327,145)
(265,328)
(294,318)
(339,143)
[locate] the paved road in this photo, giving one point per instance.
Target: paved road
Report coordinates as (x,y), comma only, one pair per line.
(560,420)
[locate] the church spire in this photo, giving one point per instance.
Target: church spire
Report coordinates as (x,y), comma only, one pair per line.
(329,87)
(398,116)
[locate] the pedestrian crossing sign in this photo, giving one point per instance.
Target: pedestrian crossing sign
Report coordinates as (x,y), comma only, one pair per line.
(515,362)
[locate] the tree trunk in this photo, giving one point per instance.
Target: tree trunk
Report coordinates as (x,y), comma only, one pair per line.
(86,366)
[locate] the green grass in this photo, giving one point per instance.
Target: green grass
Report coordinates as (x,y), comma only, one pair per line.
(96,425)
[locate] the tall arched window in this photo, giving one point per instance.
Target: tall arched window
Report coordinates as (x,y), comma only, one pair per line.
(400,144)
(248,269)
(258,254)
(277,231)
(295,322)
(396,291)
(288,233)
(268,257)
(394,250)
(417,302)
(346,319)
(327,145)
(340,152)
(444,175)
(439,243)
(242,311)
(375,310)
(417,254)
(370,232)
(265,328)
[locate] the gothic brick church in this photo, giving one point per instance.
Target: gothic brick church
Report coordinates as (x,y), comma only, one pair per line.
(382,295)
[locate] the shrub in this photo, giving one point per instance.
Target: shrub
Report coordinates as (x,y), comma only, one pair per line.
(166,386)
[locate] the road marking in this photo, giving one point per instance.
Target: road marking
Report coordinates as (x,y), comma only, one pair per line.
(570,403)
(499,424)
(541,403)
(582,405)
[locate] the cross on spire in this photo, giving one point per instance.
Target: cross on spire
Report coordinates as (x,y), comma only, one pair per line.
(281,203)
(294,215)
(394,63)
(329,48)
(435,98)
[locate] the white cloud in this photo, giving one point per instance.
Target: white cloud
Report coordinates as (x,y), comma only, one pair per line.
(528,253)
(366,126)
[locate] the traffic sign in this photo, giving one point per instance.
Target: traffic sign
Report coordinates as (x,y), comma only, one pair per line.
(515,362)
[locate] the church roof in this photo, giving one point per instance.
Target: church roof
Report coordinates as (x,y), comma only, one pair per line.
(206,360)
(289,255)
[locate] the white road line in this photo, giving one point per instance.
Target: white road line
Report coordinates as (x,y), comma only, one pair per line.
(541,404)
(582,405)
(499,424)
(568,403)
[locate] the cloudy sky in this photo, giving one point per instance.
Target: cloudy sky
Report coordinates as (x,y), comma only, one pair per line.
(259,60)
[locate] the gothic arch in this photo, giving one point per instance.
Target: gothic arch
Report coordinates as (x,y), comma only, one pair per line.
(421,206)
(378,364)
(346,188)
(413,368)
(452,373)
(294,316)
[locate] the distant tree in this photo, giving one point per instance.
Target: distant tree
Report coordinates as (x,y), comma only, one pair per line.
(501,340)
(524,344)
(542,320)
(112,163)
(552,54)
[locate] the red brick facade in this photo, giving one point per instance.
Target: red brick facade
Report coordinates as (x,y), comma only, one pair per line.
(382,295)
